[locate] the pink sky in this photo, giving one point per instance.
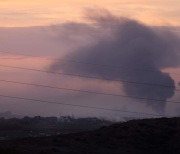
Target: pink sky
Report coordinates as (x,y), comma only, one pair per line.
(18,36)
(20,13)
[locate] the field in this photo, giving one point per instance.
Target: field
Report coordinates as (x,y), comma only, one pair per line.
(148,136)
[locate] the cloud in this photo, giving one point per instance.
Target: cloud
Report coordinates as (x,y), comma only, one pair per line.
(130,44)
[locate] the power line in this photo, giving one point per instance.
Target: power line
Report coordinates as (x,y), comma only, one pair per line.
(11,58)
(27,55)
(75,105)
(85,91)
(30,99)
(89,77)
(83,62)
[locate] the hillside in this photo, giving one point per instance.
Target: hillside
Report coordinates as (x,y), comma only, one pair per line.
(148,136)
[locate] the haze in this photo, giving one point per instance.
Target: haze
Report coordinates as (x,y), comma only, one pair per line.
(61,28)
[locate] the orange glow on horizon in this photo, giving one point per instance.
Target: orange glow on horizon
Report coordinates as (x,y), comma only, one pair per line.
(20,13)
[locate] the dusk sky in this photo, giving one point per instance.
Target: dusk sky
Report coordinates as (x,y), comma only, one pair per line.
(20,13)
(82,30)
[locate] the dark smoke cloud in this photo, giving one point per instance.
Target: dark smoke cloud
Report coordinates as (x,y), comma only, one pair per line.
(130,45)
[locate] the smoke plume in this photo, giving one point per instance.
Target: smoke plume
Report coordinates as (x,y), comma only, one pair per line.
(137,52)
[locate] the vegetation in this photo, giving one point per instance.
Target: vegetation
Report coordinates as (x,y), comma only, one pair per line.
(148,136)
(46,126)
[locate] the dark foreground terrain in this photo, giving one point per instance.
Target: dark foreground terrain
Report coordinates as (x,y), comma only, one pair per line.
(149,136)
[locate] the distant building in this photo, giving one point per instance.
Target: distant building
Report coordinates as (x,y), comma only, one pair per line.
(6,115)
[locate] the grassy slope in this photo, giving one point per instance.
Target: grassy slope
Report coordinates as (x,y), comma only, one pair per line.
(148,136)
